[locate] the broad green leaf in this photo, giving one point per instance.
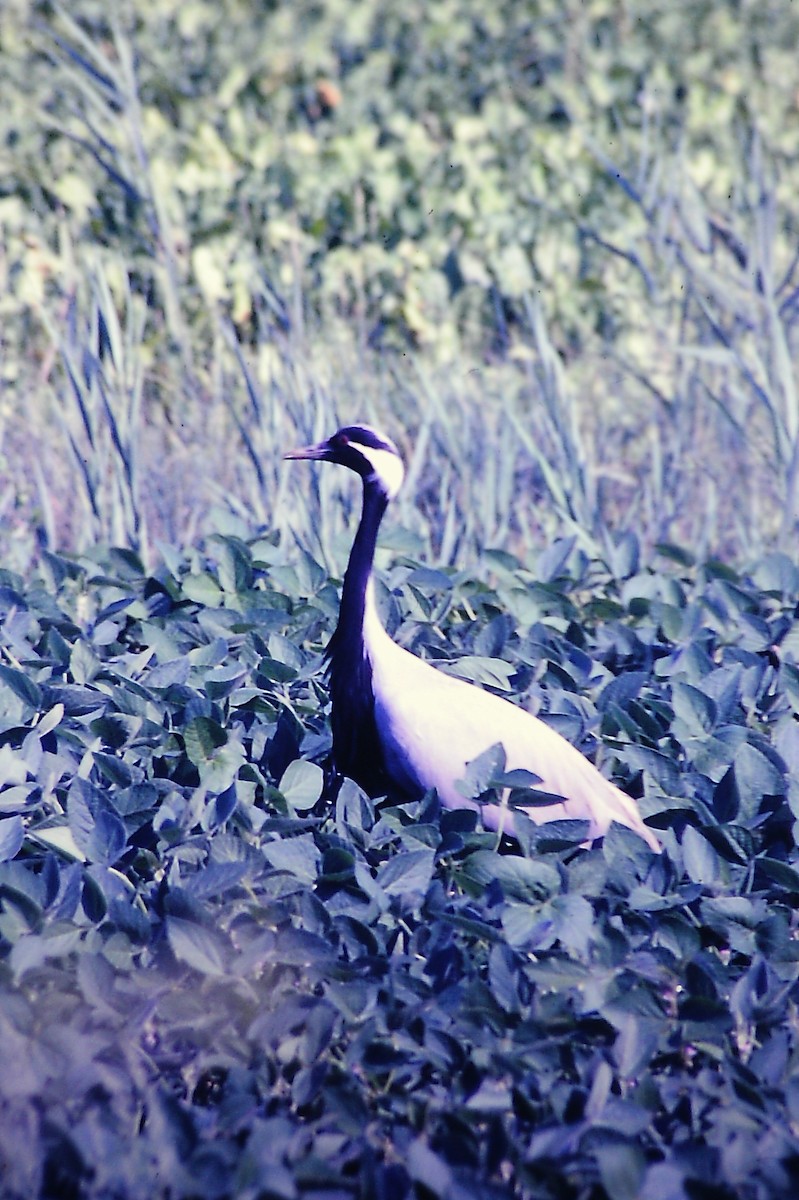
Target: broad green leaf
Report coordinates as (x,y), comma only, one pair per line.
(661,767)
(701,860)
(202,588)
(219,773)
(80,814)
(429,1169)
(781,873)
(83,663)
(488,765)
(636,1042)
(165,674)
(621,1169)
(13,766)
(59,838)
(552,561)
(235,565)
(203,738)
(108,838)
(50,720)
(692,707)
(756,776)
(492,1096)
(220,682)
(12,835)
(196,946)
(407,873)
(519,878)
(16,799)
(777,573)
(354,809)
(114,769)
(574,922)
(623,553)
(32,952)
(301,785)
(21,685)
(298,856)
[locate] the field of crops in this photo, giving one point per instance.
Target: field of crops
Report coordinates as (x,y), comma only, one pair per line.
(552,250)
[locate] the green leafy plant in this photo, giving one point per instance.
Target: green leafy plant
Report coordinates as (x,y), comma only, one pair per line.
(240,978)
(552,251)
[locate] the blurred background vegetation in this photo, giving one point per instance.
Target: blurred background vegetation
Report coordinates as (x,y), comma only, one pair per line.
(550,246)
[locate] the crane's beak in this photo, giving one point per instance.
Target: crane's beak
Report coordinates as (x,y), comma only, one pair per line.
(318,452)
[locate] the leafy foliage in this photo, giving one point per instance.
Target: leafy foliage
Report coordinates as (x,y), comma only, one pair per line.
(567,233)
(555,246)
(222,973)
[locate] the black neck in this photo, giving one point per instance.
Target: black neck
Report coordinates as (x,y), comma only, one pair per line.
(356,743)
(359,568)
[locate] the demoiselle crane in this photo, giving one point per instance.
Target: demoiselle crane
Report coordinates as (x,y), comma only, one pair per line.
(400,726)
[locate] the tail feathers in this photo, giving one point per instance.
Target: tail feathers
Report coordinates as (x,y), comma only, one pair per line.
(607,803)
(623,809)
(592,797)
(596,800)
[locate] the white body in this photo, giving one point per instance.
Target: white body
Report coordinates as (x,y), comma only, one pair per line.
(439,723)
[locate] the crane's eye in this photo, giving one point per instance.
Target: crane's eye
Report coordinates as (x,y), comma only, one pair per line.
(340,439)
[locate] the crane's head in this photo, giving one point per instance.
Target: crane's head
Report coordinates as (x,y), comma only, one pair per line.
(364,450)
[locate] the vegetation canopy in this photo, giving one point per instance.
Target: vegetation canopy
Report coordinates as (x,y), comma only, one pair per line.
(551,249)
(221,973)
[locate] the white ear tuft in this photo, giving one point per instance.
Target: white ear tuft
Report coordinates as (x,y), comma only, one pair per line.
(387,468)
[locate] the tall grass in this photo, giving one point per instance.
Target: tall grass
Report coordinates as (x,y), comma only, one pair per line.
(158,417)
(100,415)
